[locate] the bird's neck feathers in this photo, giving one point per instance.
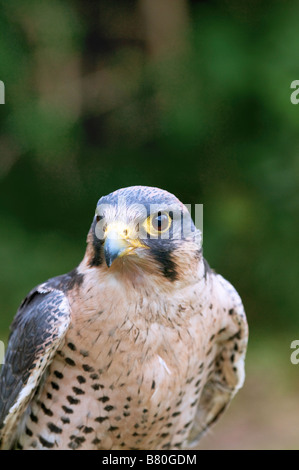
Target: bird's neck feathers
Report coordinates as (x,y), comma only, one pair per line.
(130,291)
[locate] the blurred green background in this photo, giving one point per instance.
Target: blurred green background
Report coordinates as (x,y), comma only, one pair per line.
(189,96)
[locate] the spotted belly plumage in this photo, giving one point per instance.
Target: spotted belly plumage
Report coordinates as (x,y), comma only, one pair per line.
(144,351)
(135,399)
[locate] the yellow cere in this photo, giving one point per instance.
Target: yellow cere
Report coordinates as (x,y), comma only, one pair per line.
(120,230)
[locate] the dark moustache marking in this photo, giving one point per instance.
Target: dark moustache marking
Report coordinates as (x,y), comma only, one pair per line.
(163,257)
(97,244)
(160,250)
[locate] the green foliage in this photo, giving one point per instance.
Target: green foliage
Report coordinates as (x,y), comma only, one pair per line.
(214,125)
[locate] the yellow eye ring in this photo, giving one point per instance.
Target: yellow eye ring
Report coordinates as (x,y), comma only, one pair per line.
(158,223)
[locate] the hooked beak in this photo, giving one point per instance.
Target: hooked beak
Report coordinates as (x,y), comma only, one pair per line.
(113,248)
(118,242)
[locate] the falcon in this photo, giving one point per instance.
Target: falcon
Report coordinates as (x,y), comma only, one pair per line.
(142,346)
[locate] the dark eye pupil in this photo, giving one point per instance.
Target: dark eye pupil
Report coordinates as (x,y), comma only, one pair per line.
(160,222)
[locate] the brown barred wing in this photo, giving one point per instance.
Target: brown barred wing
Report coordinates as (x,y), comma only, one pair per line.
(227,373)
(36,332)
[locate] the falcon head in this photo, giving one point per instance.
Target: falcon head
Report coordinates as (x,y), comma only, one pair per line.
(142,228)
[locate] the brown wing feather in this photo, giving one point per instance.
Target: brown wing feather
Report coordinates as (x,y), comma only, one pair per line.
(36,332)
(228,372)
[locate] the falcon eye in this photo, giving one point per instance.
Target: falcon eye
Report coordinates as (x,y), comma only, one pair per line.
(158,223)
(99,217)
